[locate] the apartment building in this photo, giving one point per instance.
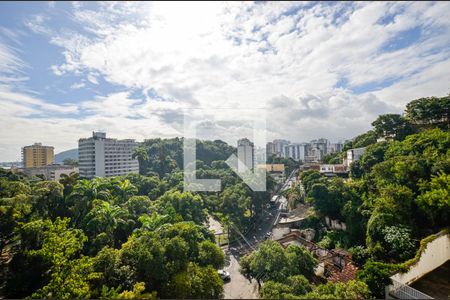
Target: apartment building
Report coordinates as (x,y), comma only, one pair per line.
(270,149)
(99,156)
(246,154)
(354,155)
(37,155)
(296,151)
(279,147)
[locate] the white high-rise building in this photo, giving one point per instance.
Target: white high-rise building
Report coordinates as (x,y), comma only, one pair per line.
(246,154)
(296,151)
(104,157)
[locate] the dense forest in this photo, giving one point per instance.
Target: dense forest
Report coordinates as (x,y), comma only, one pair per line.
(137,236)
(397,194)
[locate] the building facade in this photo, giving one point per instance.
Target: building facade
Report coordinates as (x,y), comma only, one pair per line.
(334,147)
(354,155)
(50,172)
(246,154)
(99,156)
(296,151)
(313,151)
(270,149)
(279,147)
(37,156)
(277,171)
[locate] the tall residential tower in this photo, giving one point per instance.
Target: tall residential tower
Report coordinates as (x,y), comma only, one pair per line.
(37,155)
(99,156)
(246,155)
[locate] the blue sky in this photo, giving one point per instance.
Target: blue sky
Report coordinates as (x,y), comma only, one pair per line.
(318,69)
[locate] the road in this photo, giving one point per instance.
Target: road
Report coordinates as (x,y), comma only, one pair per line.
(239,287)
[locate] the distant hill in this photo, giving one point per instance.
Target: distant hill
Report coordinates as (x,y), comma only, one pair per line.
(72,153)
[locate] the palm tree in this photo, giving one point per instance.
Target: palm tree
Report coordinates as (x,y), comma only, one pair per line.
(124,190)
(106,218)
(84,192)
(153,222)
(68,181)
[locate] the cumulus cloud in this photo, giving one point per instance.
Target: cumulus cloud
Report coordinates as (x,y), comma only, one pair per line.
(321,69)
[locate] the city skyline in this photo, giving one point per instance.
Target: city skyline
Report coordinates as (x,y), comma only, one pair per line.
(318,69)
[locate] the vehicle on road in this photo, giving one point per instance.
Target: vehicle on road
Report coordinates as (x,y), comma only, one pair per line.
(268,235)
(224,275)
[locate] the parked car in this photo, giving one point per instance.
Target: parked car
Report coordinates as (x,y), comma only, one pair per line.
(224,275)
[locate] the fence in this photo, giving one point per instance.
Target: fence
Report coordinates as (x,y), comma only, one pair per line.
(402,291)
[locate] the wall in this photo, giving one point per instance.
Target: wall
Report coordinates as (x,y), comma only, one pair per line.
(436,253)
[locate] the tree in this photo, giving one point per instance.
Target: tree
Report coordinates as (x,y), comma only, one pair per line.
(352,289)
(329,198)
(309,178)
(196,282)
(275,290)
(435,199)
(48,199)
(363,140)
(69,181)
(430,111)
(105,218)
(150,186)
(70,162)
(84,192)
(153,222)
(145,253)
(377,275)
(332,158)
(69,277)
(300,284)
(188,206)
(300,261)
(13,211)
(236,202)
(373,155)
(138,206)
(113,272)
(399,242)
(210,254)
(269,261)
(392,125)
(137,293)
(123,190)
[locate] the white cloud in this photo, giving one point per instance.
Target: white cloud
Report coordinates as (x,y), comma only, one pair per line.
(92,78)
(287,58)
(77,86)
(10,65)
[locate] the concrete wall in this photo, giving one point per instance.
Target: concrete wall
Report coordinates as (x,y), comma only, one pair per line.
(56,175)
(435,254)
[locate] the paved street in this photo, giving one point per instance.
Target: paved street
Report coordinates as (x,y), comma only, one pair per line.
(239,287)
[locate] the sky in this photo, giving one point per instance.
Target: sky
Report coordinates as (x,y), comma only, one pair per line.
(136,69)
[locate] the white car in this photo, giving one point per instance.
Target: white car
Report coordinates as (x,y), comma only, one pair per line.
(224,275)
